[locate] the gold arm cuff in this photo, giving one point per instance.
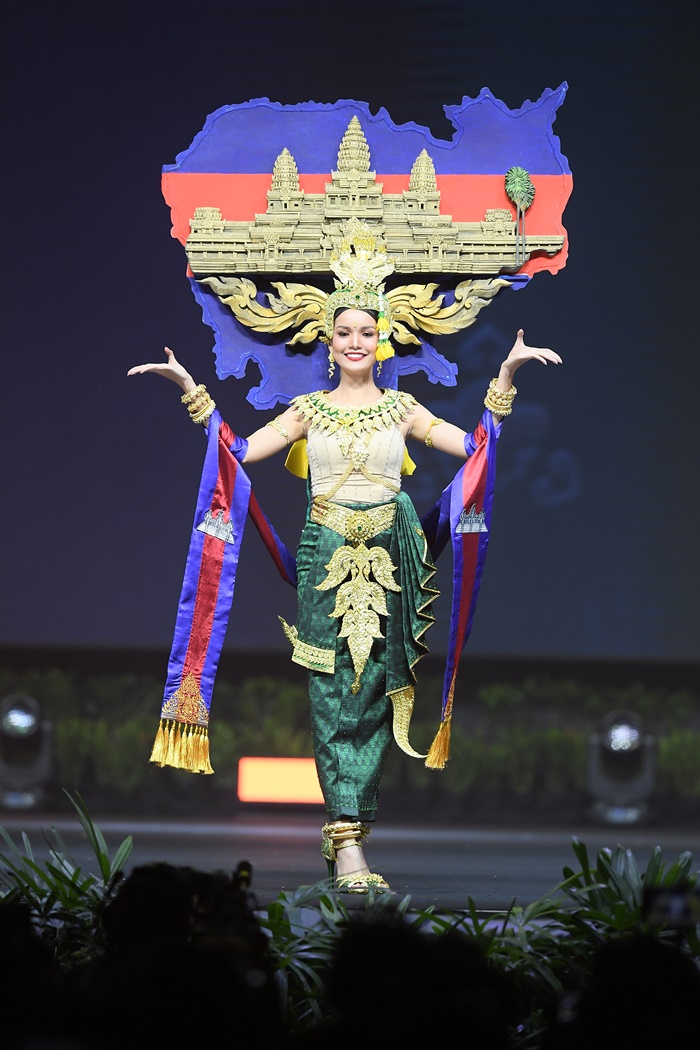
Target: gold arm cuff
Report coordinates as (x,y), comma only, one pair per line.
(499,401)
(279,427)
(202,414)
(356,526)
(200,404)
(193,394)
(433,423)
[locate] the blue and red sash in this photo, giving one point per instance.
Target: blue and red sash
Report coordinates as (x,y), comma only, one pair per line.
(223,503)
(463,512)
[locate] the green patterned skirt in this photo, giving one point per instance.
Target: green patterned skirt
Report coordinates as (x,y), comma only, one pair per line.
(385,603)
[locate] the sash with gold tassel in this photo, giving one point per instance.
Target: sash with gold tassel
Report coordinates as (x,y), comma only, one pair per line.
(463,513)
(223,502)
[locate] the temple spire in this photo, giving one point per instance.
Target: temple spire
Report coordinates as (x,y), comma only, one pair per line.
(353,154)
(285,175)
(423,174)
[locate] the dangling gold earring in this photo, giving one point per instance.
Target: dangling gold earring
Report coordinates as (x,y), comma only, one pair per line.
(379,369)
(331,364)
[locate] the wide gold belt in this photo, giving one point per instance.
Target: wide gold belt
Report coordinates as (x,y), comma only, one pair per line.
(357,526)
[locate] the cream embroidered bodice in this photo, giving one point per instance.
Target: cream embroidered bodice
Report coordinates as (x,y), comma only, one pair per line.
(355,454)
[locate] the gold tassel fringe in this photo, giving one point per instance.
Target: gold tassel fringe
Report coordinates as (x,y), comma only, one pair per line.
(440,747)
(160,747)
(182,746)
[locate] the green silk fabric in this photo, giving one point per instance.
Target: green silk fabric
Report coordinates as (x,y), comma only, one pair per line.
(352,733)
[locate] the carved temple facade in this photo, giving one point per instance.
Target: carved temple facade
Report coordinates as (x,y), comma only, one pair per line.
(299,230)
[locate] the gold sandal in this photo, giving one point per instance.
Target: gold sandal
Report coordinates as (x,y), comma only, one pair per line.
(362,882)
(339,835)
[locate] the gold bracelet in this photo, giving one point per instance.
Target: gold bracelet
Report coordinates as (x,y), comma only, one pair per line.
(433,423)
(204,414)
(279,427)
(193,394)
(498,401)
(200,405)
(199,402)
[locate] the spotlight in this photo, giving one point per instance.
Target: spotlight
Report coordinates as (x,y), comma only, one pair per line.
(26,752)
(621,769)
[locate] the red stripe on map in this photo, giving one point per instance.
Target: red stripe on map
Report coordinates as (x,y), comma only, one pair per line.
(464,197)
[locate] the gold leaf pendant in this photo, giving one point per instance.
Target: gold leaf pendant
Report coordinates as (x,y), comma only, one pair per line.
(360,601)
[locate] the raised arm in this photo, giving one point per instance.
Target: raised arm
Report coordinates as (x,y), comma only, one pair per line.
(263,443)
(448,438)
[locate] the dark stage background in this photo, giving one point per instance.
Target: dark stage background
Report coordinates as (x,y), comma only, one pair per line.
(594,546)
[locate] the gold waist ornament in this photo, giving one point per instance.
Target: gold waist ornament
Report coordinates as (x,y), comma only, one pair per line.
(360,601)
(357,526)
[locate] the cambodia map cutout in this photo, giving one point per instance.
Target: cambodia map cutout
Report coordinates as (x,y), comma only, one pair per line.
(262,198)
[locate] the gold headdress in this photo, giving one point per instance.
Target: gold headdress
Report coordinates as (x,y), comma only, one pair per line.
(407,309)
(360,269)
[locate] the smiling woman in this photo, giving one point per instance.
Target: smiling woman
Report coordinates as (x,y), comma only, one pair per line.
(355,336)
(364,561)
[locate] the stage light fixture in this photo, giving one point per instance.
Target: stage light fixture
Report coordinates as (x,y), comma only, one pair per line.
(26,752)
(621,771)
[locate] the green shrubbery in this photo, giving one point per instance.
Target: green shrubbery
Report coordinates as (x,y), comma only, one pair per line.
(511,742)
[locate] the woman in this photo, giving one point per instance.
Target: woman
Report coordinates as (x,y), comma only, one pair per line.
(362,565)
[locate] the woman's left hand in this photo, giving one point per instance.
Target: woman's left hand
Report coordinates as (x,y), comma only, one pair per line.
(520,354)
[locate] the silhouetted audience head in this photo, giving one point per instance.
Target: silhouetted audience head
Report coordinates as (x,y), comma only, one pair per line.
(154,903)
(27,979)
(185,964)
(642,994)
(402,983)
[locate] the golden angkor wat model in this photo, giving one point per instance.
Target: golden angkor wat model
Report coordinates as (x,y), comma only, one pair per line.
(299,230)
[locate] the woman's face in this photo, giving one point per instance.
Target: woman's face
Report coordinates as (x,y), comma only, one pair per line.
(354,342)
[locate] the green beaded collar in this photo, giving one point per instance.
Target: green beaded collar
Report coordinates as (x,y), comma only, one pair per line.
(391,408)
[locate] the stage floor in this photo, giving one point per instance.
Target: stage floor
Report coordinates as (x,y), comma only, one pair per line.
(440,867)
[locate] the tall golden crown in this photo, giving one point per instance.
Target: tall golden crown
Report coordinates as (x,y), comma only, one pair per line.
(360,268)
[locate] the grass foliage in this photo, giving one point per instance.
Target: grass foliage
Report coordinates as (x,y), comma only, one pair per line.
(64,900)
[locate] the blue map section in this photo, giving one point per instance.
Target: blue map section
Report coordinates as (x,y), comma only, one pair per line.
(489,138)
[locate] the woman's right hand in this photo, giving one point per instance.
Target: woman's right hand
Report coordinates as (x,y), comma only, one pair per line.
(170,369)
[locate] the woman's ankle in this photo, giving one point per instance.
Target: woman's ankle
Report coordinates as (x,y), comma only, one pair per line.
(351,859)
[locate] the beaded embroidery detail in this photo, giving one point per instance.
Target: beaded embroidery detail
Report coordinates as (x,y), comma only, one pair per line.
(186,704)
